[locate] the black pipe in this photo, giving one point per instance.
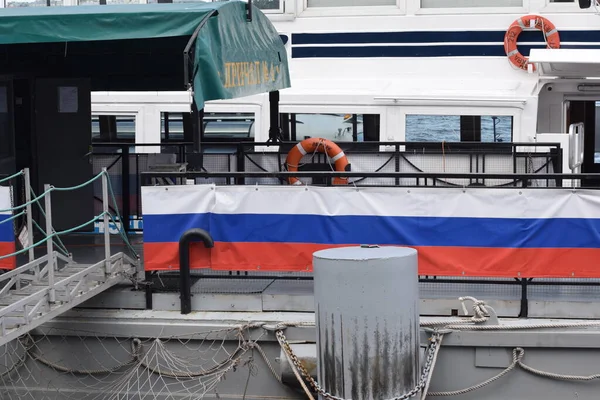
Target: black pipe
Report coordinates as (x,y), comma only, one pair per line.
(188,78)
(184,264)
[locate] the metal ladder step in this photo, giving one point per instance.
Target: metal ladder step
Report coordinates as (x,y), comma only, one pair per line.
(70,291)
(11,299)
(16,294)
(30,283)
(27,290)
(70,271)
(17,318)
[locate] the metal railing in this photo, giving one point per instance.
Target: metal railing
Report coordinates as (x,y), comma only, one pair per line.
(117,158)
(522,285)
(238,166)
(552,180)
(237,162)
(171,282)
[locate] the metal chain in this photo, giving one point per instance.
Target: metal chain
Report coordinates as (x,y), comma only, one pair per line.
(430,355)
(21,200)
(530,169)
(12,205)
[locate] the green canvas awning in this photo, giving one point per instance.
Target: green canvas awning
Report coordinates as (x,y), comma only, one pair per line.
(141,47)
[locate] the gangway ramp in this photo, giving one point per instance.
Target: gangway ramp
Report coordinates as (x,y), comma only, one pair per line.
(26,292)
(52,284)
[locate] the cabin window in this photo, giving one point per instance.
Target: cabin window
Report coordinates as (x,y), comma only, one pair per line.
(470,3)
(217,126)
(335,127)
(268,4)
(171,127)
(106,2)
(265,5)
(32,3)
(229,126)
(350,3)
(101,2)
(113,128)
(459,128)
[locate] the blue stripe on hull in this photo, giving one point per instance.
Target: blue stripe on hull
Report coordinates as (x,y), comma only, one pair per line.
(416,51)
(590,36)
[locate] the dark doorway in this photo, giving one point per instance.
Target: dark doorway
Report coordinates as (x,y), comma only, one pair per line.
(7,145)
(62,141)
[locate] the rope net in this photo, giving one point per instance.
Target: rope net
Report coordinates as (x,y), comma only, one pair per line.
(76,365)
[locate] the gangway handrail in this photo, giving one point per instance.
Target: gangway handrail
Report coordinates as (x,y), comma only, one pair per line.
(10,177)
(23,268)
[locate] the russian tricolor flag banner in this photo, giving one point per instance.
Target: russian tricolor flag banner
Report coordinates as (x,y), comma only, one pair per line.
(505,232)
(7,235)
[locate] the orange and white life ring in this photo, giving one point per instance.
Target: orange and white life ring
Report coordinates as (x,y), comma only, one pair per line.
(313,145)
(528,21)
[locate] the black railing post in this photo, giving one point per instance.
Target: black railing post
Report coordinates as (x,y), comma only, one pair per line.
(126,192)
(274,131)
(558,164)
(184,264)
(240,161)
(524,297)
(148,279)
(397,162)
(138,189)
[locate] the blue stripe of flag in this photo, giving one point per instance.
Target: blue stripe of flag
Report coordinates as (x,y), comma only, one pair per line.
(6,229)
(383,230)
